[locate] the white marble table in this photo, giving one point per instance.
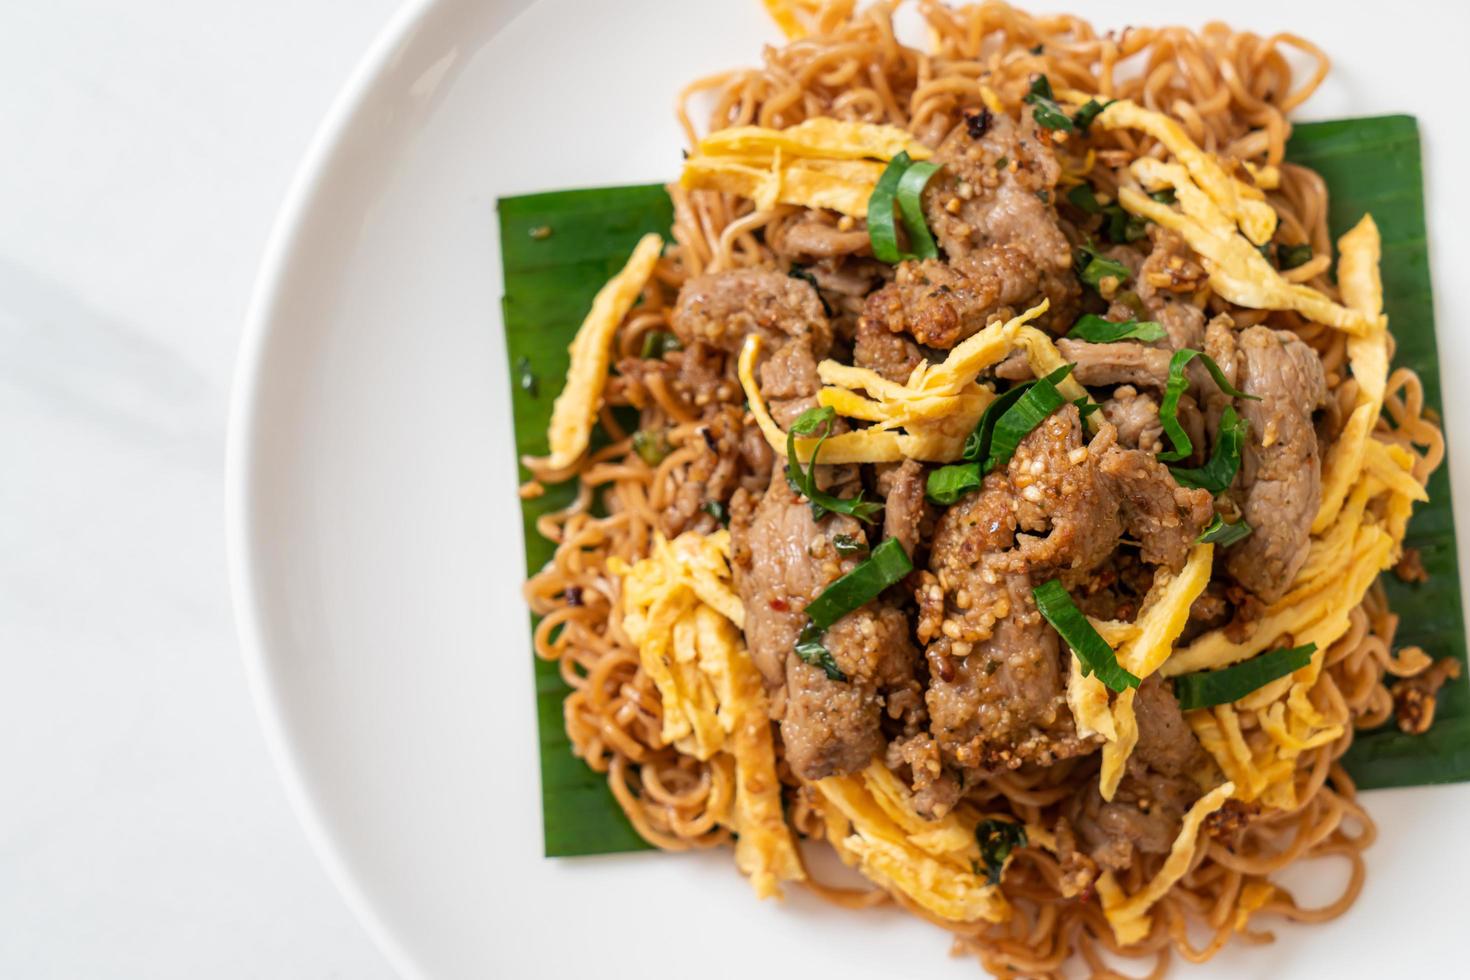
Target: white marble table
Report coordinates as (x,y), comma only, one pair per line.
(144,149)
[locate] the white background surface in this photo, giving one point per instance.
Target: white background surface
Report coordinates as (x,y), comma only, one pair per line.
(144,150)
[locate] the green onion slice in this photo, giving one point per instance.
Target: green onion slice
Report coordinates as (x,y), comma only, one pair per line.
(949,483)
(902,183)
(1090,648)
(805,275)
(651,447)
(910,188)
(804,481)
(887,564)
(716,510)
(1004,423)
(1096,330)
(1205,688)
(810,649)
(1291,256)
(848,545)
(1038,401)
(1219,472)
(997,839)
(1224,533)
(1044,106)
(1084,116)
(1174,389)
(657,343)
(1093,267)
(1082,196)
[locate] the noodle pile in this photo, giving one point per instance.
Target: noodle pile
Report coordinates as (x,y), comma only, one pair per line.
(1231,93)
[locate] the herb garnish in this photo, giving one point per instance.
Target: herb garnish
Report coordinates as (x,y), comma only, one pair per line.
(1050,115)
(818,422)
(651,447)
(1174,390)
(887,564)
(848,545)
(1291,256)
(902,182)
(1004,423)
(805,275)
(657,343)
(1093,267)
(810,649)
(1205,688)
(1096,330)
(1090,648)
(1044,106)
(716,510)
(997,839)
(1224,533)
(1217,474)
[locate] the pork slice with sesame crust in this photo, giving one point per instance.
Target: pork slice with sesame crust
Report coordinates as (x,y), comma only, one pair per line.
(782,560)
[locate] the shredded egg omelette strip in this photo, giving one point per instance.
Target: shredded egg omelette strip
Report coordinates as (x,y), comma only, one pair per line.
(872,825)
(937,407)
(1164,616)
(575,409)
(682,613)
(1128,914)
(819,163)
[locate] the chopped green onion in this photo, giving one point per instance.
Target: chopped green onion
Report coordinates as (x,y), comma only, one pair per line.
(1084,116)
(1224,533)
(1093,268)
(651,447)
(716,510)
(1291,256)
(887,564)
(1085,407)
(1090,649)
(902,183)
(805,275)
(882,223)
(1165,196)
(1082,197)
(804,481)
(1030,410)
(525,377)
(1044,106)
(1095,330)
(949,483)
(1174,390)
(977,443)
(910,204)
(657,343)
(997,839)
(1004,423)
(848,545)
(1123,227)
(810,649)
(1205,688)
(1217,475)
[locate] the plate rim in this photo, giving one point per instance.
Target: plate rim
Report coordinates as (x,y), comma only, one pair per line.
(259,328)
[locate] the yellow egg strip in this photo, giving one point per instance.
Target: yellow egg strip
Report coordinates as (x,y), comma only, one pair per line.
(681,612)
(575,409)
(1128,914)
(872,825)
(1362,289)
(1241,203)
(1238,272)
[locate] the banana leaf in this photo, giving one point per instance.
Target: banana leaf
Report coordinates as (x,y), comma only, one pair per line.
(558,248)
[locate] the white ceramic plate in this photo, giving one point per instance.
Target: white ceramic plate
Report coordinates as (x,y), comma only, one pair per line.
(376,553)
